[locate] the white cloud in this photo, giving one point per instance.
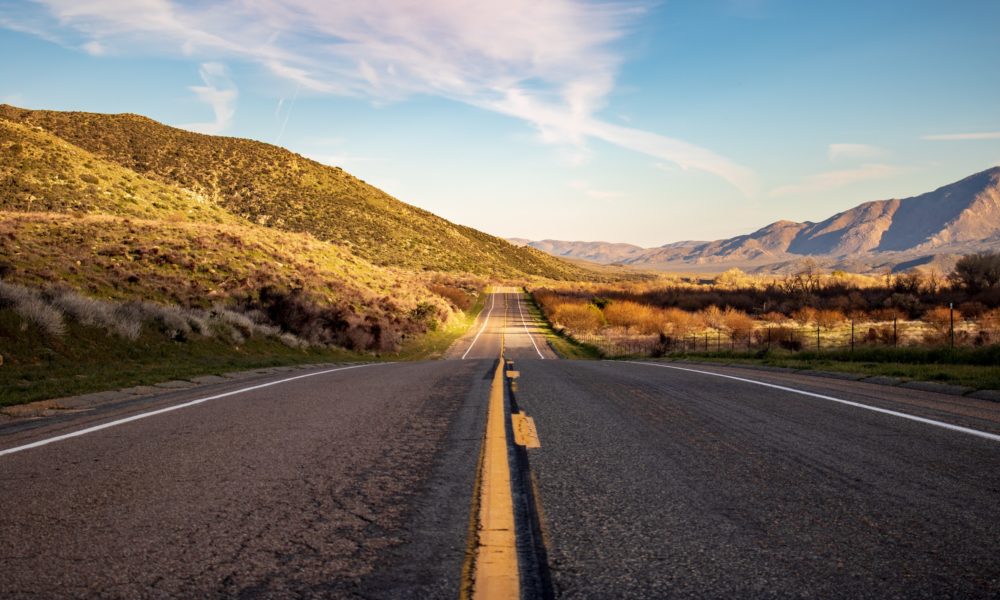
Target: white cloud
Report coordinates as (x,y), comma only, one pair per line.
(860,152)
(220,93)
(592,192)
(94,48)
(549,63)
(952,137)
(830,180)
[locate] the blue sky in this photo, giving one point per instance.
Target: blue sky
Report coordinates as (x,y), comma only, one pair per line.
(642,122)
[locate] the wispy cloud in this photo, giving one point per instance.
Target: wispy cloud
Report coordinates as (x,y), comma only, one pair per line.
(829,180)
(954,137)
(551,64)
(220,93)
(846,152)
(591,192)
(94,48)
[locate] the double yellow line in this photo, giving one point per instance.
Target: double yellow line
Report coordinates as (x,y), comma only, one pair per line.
(491,569)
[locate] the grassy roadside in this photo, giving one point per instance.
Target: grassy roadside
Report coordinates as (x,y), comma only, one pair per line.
(970,368)
(563,345)
(433,344)
(88,359)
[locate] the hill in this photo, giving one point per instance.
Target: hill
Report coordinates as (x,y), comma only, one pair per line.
(70,219)
(929,229)
(273,187)
(599,252)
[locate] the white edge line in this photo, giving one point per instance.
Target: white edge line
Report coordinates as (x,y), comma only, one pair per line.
(520,297)
(160,411)
(493,302)
(983,434)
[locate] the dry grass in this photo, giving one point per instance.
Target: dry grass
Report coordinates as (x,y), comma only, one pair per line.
(32,307)
(625,327)
(256,182)
(50,309)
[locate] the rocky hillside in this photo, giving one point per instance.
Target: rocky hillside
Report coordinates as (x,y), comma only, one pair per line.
(929,229)
(268,186)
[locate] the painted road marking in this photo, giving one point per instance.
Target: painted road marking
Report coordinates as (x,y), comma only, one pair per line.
(525,325)
(493,303)
(525,432)
(496,573)
(983,434)
(160,411)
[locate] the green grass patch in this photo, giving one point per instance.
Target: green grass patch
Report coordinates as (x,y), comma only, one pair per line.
(564,345)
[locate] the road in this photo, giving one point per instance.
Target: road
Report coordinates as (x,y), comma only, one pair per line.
(354,483)
(506,316)
(651,481)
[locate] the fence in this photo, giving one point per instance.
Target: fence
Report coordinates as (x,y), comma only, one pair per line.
(615,344)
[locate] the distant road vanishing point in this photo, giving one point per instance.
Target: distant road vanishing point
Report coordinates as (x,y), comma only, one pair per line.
(645,480)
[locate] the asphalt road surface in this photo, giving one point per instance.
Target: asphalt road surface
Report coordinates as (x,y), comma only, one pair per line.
(355,483)
(662,483)
(652,482)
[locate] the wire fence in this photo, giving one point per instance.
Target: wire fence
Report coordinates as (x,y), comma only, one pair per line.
(891,334)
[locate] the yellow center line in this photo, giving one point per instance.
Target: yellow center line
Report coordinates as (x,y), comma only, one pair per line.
(495,572)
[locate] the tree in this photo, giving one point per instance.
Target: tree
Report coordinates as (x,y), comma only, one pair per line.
(733,279)
(977,272)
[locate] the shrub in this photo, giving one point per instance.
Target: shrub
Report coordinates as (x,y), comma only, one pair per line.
(32,307)
(680,323)
(86,311)
(737,321)
(578,317)
(828,319)
(458,297)
(940,318)
(632,315)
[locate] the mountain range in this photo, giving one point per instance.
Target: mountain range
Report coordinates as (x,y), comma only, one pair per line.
(929,230)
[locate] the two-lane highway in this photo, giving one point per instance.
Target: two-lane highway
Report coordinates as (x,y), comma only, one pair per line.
(506,316)
(652,481)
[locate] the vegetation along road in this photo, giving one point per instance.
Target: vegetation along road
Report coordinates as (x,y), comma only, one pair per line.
(427,480)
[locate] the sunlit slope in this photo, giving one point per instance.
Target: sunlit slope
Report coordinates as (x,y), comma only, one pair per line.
(69,218)
(271,186)
(40,172)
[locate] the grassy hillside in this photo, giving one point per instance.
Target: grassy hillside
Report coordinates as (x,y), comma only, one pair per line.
(270,186)
(40,172)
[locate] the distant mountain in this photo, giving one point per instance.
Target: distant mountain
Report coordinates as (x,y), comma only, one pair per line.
(264,185)
(929,229)
(599,252)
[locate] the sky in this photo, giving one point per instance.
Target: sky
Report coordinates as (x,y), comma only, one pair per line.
(639,122)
